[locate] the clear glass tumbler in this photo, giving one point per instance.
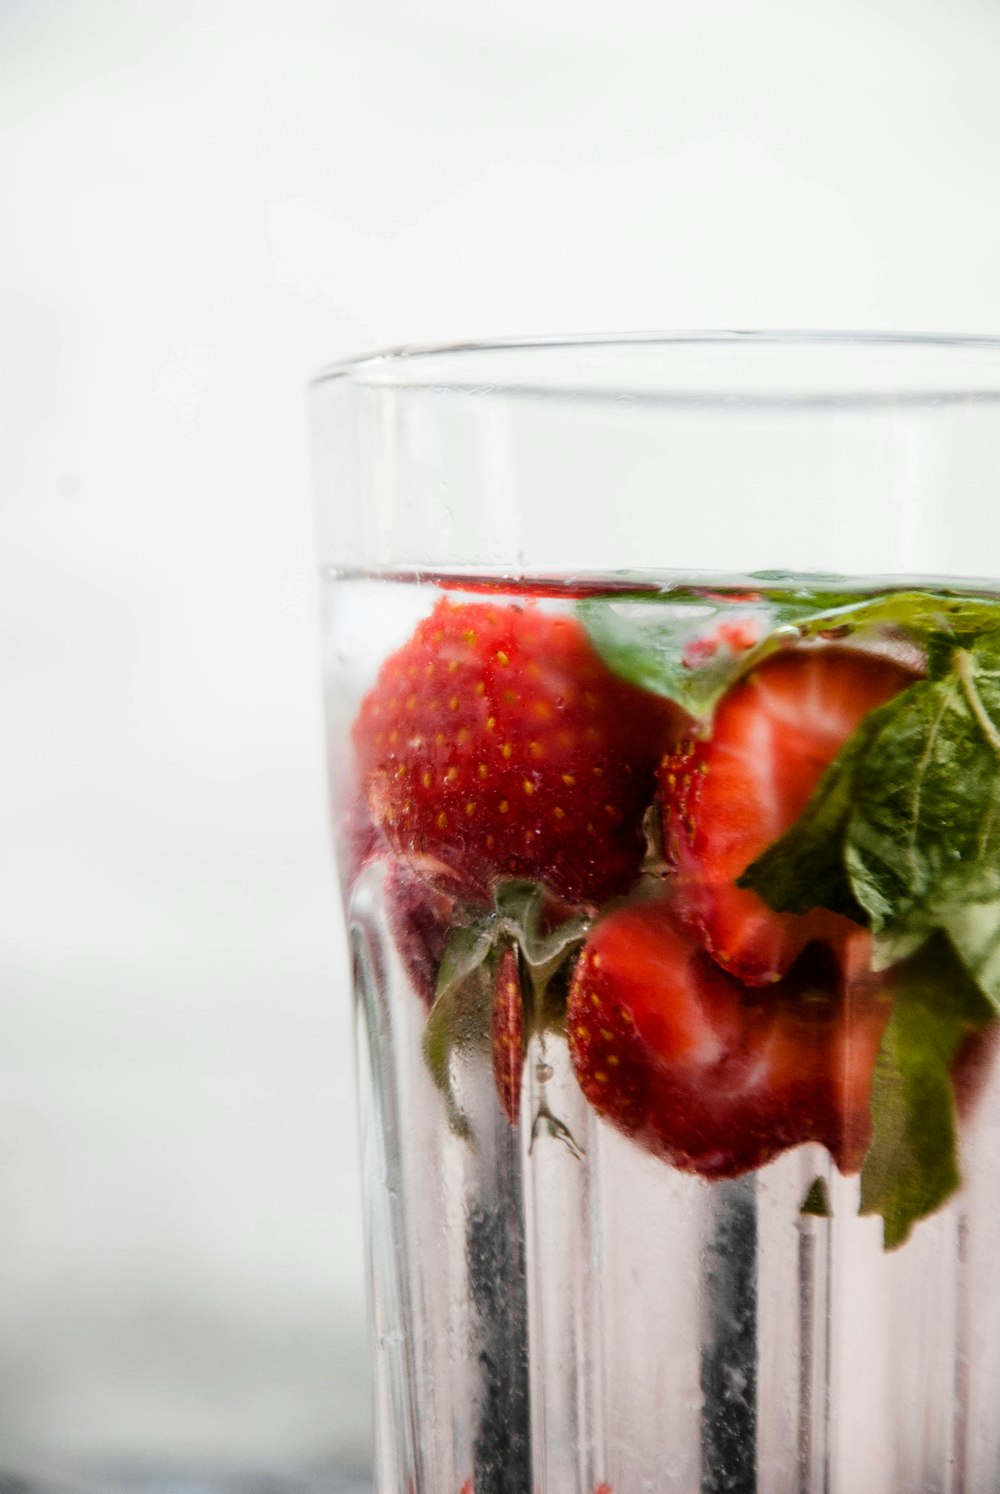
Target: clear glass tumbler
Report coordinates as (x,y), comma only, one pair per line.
(663,683)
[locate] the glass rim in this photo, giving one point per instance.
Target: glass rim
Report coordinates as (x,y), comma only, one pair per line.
(388,367)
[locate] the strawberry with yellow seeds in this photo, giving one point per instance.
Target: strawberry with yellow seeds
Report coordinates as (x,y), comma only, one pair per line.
(496,744)
(713,1077)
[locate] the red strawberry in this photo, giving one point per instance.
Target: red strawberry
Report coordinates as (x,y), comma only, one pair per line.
(508,1034)
(726,799)
(420,918)
(716,1078)
(496,744)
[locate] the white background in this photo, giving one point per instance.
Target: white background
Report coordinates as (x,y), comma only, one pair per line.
(200,202)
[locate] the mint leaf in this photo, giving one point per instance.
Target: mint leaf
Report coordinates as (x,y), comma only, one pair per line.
(665,643)
(923,837)
(974,930)
(892,944)
(960,616)
(912,1166)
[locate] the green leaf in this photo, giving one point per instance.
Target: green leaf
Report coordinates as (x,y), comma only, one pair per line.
(893,944)
(912,1166)
(653,643)
(653,640)
(923,837)
(974,930)
(958,615)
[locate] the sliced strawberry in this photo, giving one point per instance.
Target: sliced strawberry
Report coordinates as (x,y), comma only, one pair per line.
(508,1033)
(713,1077)
(727,798)
(496,744)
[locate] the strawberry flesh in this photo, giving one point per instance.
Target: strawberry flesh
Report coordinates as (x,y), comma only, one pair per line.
(495,743)
(727,798)
(713,1077)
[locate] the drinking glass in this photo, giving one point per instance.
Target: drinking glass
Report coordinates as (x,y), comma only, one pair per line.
(591,1267)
